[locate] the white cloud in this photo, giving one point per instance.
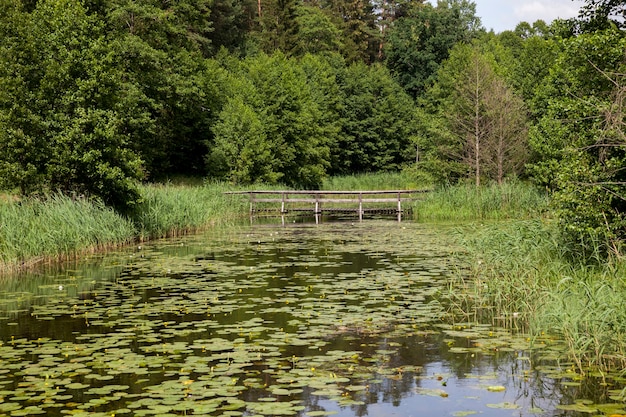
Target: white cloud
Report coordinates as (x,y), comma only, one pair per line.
(502,15)
(545,10)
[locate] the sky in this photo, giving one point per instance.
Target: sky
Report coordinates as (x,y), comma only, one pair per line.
(501,15)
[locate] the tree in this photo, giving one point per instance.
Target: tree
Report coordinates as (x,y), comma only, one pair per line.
(63,128)
(420,41)
(322,73)
(279,26)
(278,133)
(358,22)
(579,144)
(160,50)
(480,121)
(164,26)
(378,121)
(242,152)
(23,147)
(507,145)
(600,14)
(231,22)
(317,33)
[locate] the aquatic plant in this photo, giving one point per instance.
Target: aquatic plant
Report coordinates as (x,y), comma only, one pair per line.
(59,227)
(174,209)
(306,320)
(35,230)
(466,202)
(519,276)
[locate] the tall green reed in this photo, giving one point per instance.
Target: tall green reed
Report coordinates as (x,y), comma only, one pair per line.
(373,181)
(33,230)
(463,202)
(520,276)
(173,209)
(57,227)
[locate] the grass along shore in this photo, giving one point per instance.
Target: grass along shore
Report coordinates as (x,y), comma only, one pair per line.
(35,231)
(520,276)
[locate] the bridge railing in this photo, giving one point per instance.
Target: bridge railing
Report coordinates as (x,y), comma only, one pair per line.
(328,201)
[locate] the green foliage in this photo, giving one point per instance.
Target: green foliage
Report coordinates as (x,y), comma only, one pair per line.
(317,32)
(521,276)
(35,230)
(601,14)
(242,152)
(230,22)
(463,202)
(473,124)
(357,20)
(279,26)
(402,180)
(59,227)
(419,42)
(579,141)
(169,85)
(378,122)
(534,54)
(171,210)
(65,132)
(182,25)
(271,130)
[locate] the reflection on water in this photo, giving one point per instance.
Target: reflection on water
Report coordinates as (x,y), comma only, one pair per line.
(337,318)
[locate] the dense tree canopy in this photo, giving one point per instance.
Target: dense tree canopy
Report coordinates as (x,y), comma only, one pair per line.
(97,95)
(579,139)
(63,120)
(420,40)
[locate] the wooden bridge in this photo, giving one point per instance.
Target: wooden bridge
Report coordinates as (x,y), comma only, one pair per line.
(318,202)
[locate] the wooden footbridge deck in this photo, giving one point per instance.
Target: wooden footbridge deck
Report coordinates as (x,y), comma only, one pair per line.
(320,202)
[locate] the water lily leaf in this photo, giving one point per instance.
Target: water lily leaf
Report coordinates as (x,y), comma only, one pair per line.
(504,405)
(436,392)
(579,407)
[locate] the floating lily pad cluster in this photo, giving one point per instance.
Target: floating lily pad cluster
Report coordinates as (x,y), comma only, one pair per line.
(261,322)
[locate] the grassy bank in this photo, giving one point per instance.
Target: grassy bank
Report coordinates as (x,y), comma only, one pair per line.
(170,210)
(35,231)
(374,181)
(460,203)
(511,200)
(520,276)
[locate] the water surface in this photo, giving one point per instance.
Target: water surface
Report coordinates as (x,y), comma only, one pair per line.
(332,319)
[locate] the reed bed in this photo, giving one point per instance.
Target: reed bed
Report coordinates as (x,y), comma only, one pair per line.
(55,228)
(174,209)
(510,200)
(521,277)
(401,180)
(33,231)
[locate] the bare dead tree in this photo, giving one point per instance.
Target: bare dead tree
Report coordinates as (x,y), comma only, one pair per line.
(508,139)
(468,116)
(491,120)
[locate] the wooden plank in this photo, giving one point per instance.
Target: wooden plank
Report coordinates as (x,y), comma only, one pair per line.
(318,198)
(329,200)
(329,192)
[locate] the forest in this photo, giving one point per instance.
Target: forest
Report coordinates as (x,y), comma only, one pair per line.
(99,96)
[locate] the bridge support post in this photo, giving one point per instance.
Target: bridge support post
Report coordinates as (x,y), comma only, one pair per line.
(399,208)
(282,204)
(360,207)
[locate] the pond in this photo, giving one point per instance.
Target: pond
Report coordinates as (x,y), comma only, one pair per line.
(345,319)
